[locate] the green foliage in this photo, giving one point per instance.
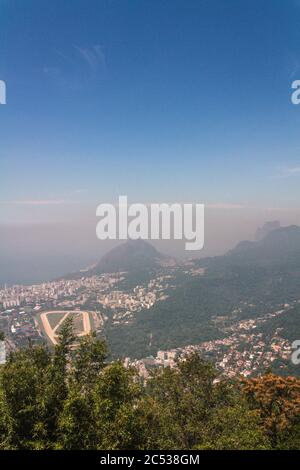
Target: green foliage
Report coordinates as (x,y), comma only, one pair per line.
(72,399)
(186,409)
(264,274)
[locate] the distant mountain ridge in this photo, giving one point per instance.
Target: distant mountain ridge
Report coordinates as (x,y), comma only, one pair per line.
(133,255)
(281,245)
(253,279)
(268,227)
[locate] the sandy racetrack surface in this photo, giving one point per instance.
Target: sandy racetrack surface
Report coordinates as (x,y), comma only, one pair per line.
(51,331)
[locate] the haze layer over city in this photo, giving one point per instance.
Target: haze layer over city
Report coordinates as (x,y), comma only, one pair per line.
(161,103)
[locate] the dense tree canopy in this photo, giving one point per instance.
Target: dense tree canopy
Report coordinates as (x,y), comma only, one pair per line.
(72,398)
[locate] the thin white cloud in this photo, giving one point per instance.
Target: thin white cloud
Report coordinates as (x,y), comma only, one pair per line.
(282,209)
(79,191)
(51,71)
(293,171)
(294,67)
(38,202)
(77,67)
(94,57)
(226,206)
(288,172)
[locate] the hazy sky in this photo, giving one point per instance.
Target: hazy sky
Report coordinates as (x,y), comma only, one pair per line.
(159,100)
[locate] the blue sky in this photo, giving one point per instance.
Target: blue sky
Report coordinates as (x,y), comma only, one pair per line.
(159,100)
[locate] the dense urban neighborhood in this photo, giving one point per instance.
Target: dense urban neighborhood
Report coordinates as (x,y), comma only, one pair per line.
(242,346)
